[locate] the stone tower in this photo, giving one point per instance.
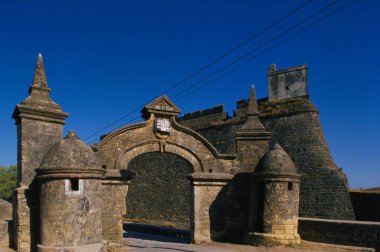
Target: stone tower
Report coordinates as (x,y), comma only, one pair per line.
(287,83)
(275,200)
(70,198)
(39,123)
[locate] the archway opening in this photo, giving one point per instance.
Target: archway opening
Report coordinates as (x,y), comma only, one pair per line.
(159,194)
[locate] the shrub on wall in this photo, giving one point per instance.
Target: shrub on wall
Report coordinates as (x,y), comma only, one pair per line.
(7,181)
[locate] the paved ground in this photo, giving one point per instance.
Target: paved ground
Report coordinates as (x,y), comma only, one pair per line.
(140,242)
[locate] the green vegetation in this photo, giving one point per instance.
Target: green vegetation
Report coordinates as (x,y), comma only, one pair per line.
(7,181)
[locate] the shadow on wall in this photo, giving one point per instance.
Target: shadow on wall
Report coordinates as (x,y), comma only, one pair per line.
(230,210)
(217,215)
(366,204)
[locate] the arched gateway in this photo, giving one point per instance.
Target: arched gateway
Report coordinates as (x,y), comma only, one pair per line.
(161,193)
(161,152)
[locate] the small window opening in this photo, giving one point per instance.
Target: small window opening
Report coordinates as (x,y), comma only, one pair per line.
(104,166)
(74,184)
(287,88)
(290,186)
(210,170)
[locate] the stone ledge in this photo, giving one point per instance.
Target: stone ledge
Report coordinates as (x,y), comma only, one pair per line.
(95,247)
(209,177)
(262,239)
(341,232)
(375,223)
(119,174)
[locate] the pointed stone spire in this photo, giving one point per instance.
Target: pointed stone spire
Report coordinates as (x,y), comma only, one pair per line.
(39,97)
(39,80)
(253,127)
(252,103)
(40,125)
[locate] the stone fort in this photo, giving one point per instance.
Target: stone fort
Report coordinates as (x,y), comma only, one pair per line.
(261,176)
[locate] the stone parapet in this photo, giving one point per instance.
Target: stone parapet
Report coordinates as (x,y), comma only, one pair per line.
(343,232)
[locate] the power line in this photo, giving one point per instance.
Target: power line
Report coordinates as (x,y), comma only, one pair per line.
(268,49)
(229,64)
(241,44)
(258,48)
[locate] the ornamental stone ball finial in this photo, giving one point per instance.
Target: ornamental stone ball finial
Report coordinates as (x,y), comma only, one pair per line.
(72,135)
(276,146)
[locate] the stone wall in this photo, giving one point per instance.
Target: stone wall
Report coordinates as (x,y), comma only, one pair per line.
(71,219)
(208,206)
(26,219)
(366,205)
(353,233)
(160,192)
(5,219)
(113,209)
(203,118)
(295,125)
(324,193)
(237,207)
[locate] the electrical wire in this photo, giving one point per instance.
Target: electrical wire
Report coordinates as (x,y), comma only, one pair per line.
(241,44)
(267,50)
(233,62)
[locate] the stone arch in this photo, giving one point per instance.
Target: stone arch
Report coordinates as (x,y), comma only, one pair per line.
(128,155)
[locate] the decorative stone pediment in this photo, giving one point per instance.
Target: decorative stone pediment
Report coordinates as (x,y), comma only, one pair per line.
(161,106)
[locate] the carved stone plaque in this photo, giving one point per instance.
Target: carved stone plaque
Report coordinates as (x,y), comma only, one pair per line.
(163,125)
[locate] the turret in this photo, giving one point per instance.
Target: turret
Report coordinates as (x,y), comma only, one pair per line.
(70,198)
(275,200)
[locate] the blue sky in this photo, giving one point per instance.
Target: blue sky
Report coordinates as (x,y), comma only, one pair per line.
(104,59)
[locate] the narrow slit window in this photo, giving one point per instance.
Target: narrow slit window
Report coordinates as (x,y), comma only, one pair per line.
(74,184)
(290,186)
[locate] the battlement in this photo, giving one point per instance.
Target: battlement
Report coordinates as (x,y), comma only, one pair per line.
(287,83)
(204,118)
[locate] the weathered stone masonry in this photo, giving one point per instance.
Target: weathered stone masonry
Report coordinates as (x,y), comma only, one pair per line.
(294,124)
(159,192)
(201,172)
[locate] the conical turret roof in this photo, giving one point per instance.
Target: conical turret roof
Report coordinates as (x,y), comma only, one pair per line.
(276,160)
(70,153)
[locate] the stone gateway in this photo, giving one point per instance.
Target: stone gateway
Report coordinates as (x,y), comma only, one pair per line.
(244,178)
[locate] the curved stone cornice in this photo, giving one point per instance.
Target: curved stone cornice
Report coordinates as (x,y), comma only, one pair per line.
(121,130)
(61,172)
